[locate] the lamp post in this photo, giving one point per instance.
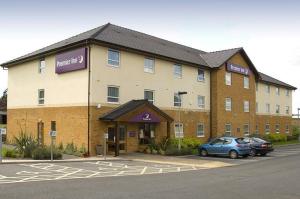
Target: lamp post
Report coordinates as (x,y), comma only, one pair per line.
(180,93)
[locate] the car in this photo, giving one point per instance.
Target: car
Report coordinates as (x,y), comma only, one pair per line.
(259,146)
(225,146)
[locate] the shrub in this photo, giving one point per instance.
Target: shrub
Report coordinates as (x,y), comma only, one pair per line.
(296,132)
(61,146)
(174,151)
(25,144)
(70,149)
(9,153)
(44,153)
(276,137)
(192,143)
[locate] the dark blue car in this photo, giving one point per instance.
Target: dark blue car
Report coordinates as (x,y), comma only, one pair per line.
(225,146)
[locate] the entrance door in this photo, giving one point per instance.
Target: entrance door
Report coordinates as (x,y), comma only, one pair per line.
(112,139)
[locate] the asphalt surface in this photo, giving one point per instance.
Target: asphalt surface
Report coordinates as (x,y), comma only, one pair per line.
(276,177)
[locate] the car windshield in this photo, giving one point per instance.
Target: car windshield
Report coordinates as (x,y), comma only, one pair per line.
(240,141)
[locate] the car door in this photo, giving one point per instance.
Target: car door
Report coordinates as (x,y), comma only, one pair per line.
(226,146)
(215,146)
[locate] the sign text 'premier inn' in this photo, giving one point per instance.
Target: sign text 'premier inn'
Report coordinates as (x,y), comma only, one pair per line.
(237,69)
(71,61)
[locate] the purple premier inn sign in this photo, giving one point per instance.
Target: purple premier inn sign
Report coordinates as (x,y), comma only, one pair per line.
(145,117)
(237,69)
(71,61)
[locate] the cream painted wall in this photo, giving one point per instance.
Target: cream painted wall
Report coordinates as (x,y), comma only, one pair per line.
(262,97)
(132,80)
(68,89)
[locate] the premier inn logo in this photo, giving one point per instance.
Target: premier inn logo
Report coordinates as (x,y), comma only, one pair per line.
(237,69)
(73,60)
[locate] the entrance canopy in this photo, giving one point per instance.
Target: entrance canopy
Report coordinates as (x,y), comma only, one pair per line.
(137,111)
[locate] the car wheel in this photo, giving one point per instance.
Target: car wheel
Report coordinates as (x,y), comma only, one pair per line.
(203,152)
(233,154)
(252,152)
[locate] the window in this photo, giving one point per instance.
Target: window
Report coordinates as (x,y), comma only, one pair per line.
(228,78)
(113,57)
(256,107)
(42,66)
(246,106)
(200,130)
(277,130)
(53,125)
(149,95)
(267,129)
(267,107)
(277,91)
(277,110)
(113,94)
(256,130)
(287,92)
(267,88)
(246,82)
(227,129)
(287,129)
(41,96)
(149,65)
(178,130)
(246,129)
(177,70)
(177,100)
(201,101)
(201,75)
(228,104)
(287,110)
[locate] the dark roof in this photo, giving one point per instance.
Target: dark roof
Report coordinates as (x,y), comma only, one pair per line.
(268,79)
(130,106)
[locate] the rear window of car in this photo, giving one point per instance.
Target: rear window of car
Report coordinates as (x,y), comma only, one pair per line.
(258,140)
(240,141)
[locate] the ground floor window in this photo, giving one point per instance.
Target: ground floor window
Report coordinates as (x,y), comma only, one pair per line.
(40,133)
(200,130)
(246,129)
(256,129)
(267,128)
(146,133)
(277,128)
(287,129)
(178,130)
(227,129)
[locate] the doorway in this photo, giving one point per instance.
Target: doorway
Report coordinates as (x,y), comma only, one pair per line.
(112,139)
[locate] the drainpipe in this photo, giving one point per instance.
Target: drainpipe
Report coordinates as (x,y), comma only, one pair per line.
(89,94)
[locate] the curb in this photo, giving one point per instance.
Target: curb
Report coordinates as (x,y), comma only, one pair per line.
(278,146)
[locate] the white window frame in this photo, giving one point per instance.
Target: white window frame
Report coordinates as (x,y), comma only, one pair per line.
(179,103)
(178,130)
(111,60)
(287,128)
(267,130)
(42,66)
(201,105)
(287,110)
(228,79)
(247,132)
(228,104)
(113,97)
(268,89)
(200,78)
(277,128)
(277,91)
(287,92)
(200,133)
(177,73)
(277,109)
(153,94)
(228,131)
(41,100)
(246,82)
(246,106)
(149,69)
(268,108)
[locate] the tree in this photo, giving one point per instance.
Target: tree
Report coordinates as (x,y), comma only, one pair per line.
(3,101)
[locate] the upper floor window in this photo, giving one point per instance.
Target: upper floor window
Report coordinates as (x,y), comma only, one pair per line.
(277,110)
(42,66)
(287,110)
(246,82)
(201,75)
(41,96)
(149,95)
(287,92)
(113,57)
(177,70)
(228,104)
(200,130)
(228,78)
(113,94)
(149,65)
(277,91)
(178,130)
(246,106)
(267,107)
(227,129)
(201,101)
(267,88)
(177,100)
(246,129)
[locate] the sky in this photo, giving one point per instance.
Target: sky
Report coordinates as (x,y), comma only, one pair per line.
(268,30)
